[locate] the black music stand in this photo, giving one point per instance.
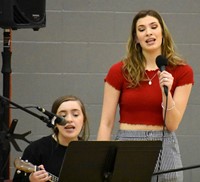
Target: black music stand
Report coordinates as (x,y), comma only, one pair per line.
(116,161)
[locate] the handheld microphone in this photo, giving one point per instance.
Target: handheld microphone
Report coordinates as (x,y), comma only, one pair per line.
(53,117)
(161,62)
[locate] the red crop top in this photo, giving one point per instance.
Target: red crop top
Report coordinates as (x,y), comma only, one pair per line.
(142,105)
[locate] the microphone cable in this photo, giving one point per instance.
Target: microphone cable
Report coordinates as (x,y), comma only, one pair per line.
(163,136)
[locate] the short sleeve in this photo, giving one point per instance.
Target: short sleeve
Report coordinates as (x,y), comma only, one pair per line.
(185,75)
(115,76)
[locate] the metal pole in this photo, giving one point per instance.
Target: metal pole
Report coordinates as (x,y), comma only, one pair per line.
(5,110)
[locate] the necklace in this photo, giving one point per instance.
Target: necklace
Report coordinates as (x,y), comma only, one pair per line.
(150,79)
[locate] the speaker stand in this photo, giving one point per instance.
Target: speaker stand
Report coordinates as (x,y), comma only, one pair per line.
(5,112)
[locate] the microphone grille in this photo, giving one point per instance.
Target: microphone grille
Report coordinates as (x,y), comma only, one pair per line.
(161,61)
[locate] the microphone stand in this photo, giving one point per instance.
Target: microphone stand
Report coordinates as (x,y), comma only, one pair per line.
(8,136)
(176,170)
(42,118)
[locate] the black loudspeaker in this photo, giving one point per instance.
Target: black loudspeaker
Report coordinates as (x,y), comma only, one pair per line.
(17,14)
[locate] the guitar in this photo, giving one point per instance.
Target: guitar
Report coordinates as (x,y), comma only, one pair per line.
(29,168)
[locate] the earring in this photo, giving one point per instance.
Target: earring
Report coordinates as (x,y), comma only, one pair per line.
(163,41)
(136,46)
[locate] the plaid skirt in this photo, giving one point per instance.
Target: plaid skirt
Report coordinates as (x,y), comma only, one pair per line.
(170,156)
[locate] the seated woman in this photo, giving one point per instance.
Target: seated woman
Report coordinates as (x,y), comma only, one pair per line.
(48,152)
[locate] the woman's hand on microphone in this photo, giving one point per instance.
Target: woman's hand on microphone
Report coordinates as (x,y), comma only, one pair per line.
(165,79)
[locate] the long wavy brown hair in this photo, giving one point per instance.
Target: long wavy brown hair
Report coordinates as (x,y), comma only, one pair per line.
(84,135)
(135,62)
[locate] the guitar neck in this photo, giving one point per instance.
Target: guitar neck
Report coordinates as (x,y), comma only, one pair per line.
(28,167)
(53,177)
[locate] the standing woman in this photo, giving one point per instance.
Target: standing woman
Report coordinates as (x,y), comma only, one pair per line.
(136,85)
(48,152)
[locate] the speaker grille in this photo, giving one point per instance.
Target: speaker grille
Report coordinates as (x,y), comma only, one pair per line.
(22,14)
(18,18)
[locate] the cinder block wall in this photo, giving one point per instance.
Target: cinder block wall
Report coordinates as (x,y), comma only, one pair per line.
(72,54)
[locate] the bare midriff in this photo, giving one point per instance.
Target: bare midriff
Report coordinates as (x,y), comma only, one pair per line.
(125,126)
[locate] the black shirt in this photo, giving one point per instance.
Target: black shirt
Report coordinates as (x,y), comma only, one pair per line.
(44,151)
